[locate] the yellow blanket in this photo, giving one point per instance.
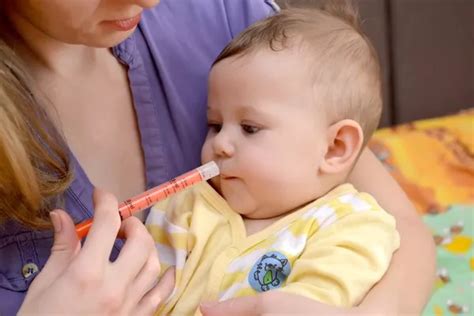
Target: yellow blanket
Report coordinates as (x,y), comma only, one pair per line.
(433,160)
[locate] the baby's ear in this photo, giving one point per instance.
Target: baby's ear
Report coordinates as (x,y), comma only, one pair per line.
(345,139)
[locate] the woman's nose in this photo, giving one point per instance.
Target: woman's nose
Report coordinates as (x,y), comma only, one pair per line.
(222,145)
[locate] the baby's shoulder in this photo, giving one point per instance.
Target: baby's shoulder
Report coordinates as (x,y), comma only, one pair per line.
(344,204)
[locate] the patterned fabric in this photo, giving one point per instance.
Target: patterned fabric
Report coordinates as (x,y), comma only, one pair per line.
(454,289)
(433,160)
(333,249)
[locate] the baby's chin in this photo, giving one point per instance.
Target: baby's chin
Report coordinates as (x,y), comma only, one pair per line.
(244,210)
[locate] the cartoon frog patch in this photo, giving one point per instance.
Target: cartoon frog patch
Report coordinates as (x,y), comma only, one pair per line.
(269,272)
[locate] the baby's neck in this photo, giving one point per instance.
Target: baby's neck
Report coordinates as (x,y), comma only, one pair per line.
(254,225)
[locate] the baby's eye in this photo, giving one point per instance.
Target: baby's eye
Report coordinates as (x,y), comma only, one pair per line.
(214,127)
(249,129)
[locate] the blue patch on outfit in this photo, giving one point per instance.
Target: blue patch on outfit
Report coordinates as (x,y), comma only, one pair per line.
(269,272)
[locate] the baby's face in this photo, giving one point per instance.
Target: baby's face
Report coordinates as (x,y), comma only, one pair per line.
(264,133)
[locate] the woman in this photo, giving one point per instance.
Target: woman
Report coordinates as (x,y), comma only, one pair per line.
(34,170)
(133,116)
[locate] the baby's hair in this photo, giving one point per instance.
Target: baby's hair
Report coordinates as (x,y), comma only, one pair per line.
(344,64)
(34,161)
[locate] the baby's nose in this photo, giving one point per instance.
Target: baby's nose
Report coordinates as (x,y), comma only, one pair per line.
(223,145)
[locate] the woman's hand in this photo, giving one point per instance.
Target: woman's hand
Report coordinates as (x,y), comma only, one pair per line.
(277,303)
(84,281)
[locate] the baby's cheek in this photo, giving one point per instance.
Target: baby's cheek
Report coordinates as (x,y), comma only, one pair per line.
(265,181)
(260,171)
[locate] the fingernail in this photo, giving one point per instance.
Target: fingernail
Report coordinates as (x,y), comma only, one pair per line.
(56,221)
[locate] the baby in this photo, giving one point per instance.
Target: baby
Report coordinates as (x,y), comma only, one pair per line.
(292,102)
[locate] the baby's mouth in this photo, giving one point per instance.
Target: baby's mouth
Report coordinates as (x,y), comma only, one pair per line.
(226,177)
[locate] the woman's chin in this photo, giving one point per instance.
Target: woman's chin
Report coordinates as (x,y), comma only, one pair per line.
(108,39)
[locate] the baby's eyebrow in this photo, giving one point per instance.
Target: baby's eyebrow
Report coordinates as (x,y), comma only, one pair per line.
(263,112)
(243,110)
(211,110)
(251,109)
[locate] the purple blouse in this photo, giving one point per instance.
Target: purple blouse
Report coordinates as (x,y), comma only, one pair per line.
(168,59)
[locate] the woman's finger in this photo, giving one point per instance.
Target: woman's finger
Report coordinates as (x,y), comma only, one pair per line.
(248,305)
(136,252)
(158,295)
(102,235)
(269,303)
(145,282)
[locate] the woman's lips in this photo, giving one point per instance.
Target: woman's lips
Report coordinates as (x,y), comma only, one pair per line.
(124,24)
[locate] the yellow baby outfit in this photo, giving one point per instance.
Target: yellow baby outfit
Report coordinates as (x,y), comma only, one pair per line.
(333,249)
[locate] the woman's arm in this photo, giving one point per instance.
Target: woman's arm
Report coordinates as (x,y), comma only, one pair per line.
(415,260)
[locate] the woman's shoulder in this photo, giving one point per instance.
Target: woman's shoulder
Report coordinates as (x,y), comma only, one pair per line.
(185,36)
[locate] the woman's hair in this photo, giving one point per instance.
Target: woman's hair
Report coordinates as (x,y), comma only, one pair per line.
(34,161)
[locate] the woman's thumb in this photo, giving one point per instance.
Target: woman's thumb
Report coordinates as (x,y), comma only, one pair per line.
(66,243)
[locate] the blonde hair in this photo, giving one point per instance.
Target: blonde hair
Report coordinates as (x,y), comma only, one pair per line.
(345,66)
(34,163)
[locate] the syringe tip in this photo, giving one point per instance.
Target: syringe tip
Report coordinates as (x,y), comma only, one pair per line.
(209,170)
